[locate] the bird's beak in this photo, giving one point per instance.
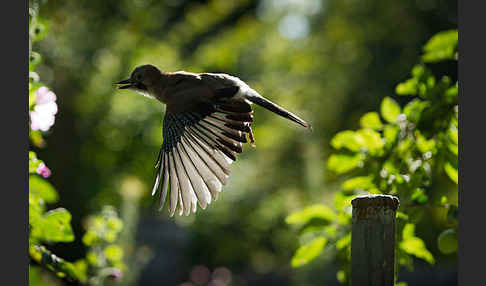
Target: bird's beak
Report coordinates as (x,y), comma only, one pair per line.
(127,83)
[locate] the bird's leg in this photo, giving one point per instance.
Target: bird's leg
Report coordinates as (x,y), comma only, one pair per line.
(250,136)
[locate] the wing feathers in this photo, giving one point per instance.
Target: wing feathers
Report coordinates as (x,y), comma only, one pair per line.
(199,147)
(207,168)
(165,181)
(212,158)
(174,185)
(199,186)
(185,186)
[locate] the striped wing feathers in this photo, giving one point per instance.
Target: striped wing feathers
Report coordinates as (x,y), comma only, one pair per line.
(196,155)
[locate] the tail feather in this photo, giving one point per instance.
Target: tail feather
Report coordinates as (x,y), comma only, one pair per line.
(267,104)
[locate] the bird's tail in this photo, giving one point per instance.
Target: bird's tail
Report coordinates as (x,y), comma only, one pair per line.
(267,104)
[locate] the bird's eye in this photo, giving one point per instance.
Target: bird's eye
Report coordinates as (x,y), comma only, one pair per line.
(138,77)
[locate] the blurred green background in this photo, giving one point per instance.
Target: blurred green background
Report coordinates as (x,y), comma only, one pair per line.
(329,61)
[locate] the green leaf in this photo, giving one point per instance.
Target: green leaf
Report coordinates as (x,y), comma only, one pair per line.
(320,212)
(54,226)
(342,200)
(346,139)
(419,196)
(115,224)
(38,30)
(34,60)
(370,139)
(33,163)
(113,252)
(361,182)
(343,241)
(414,245)
(341,163)
(36,209)
(425,145)
(451,94)
(447,241)
(308,252)
(42,188)
(89,238)
(409,87)
(441,46)
(402,216)
(390,109)
(453,135)
(341,276)
(371,120)
(453,148)
(451,172)
(414,109)
(390,133)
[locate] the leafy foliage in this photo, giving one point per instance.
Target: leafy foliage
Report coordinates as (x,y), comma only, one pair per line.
(47,227)
(398,151)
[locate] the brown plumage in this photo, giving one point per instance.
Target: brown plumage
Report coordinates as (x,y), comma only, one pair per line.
(208,117)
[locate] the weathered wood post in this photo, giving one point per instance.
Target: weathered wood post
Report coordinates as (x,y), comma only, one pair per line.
(373,240)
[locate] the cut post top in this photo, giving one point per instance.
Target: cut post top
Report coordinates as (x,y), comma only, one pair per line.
(376,201)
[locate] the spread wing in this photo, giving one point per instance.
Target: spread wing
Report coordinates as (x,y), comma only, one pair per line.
(198,148)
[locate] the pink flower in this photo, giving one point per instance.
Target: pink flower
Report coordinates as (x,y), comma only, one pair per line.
(44,95)
(42,117)
(43,170)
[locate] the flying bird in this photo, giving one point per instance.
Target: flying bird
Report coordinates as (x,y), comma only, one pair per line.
(208,117)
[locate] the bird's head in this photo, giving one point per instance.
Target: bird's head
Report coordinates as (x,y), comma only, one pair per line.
(142,79)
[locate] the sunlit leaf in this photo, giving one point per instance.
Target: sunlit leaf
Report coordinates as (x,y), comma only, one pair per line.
(425,145)
(38,30)
(308,252)
(419,196)
(402,216)
(451,94)
(34,60)
(55,226)
(453,135)
(451,172)
(441,46)
(115,223)
(390,109)
(361,182)
(346,139)
(390,133)
(414,245)
(321,212)
(342,200)
(370,139)
(36,209)
(371,120)
(409,87)
(344,241)
(42,188)
(89,238)
(341,163)
(453,148)
(113,252)
(414,109)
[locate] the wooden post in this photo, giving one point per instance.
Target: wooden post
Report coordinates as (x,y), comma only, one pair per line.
(373,240)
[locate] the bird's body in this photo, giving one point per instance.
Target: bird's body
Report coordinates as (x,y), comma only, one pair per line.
(208,117)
